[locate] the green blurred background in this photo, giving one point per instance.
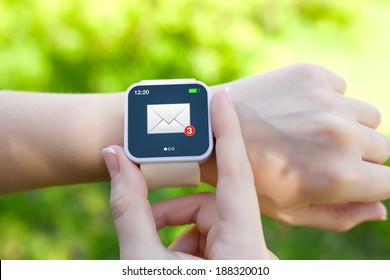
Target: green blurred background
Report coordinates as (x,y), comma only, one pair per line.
(104,46)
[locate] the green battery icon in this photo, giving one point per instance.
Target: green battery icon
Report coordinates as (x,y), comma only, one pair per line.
(193,90)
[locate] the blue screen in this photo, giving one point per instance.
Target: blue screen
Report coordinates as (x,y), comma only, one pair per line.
(168,120)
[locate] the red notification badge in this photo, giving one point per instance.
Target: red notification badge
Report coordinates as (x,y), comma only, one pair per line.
(189,130)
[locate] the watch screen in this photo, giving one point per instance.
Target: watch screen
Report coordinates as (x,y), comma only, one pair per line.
(168,120)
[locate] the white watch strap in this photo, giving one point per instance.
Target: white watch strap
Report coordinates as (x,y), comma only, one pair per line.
(171,174)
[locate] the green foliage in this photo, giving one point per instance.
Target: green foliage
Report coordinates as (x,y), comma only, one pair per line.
(101,46)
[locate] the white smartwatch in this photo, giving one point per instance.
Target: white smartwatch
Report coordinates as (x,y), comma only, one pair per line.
(168,130)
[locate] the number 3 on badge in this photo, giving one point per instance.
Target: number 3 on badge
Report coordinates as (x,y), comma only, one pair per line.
(189,130)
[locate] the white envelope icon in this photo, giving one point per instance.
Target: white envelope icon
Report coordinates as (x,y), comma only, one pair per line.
(168,118)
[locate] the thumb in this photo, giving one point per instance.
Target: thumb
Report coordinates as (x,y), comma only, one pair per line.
(335,217)
(344,216)
(134,222)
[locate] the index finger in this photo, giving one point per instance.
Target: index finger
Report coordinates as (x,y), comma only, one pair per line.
(236,194)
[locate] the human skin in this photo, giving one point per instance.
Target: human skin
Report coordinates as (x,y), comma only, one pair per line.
(315,153)
(227,225)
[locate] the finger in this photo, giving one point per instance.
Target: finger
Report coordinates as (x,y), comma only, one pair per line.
(199,209)
(334,217)
(191,242)
(236,196)
(374,145)
(236,193)
(364,113)
(336,82)
(339,217)
(373,185)
(130,208)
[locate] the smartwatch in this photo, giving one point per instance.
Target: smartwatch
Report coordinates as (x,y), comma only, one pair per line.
(167,130)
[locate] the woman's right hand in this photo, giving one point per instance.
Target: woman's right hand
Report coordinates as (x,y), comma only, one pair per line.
(226,225)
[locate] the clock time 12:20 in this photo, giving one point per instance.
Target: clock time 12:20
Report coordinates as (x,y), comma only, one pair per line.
(141,92)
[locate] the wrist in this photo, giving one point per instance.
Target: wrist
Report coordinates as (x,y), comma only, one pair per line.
(109,109)
(208,170)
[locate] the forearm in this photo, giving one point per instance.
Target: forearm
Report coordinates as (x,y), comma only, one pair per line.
(56,139)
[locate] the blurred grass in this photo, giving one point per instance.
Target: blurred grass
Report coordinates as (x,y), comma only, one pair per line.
(103,46)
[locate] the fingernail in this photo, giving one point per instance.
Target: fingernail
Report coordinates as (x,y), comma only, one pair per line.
(111,159)
(383,218)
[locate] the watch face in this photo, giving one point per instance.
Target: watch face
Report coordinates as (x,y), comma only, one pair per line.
(168,122)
